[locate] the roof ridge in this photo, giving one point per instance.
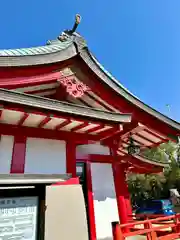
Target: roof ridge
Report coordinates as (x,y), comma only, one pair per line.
(63,41)
(31,51)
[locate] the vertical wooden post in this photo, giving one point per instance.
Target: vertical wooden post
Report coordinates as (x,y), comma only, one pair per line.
(147,225)
(152,235)
(177,222)
(91,212)
(71,158)
(18,155)
(121,190)
(116,230)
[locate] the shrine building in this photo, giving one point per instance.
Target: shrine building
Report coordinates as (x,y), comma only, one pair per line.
(62,112)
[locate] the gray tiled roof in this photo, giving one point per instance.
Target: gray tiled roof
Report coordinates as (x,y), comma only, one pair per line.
(66,46)
(52,48)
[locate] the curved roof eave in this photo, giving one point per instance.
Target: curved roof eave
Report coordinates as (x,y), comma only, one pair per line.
(57,51)
(13,97)
(52,53)
(108,79)
(144,164)
(150,161)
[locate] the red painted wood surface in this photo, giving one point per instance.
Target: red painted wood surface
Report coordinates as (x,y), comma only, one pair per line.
(8,129)
(123,105)
(116,231)
(122,192)
(150,231)
(71,181)
(91,212)
(18,154)
(71,158)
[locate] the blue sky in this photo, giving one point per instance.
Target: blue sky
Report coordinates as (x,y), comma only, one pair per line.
(138,41)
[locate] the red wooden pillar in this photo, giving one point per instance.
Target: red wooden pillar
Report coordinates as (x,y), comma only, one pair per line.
(18,155)
(122,193)
(117,233)
(92,223)
(128,205)
(71,158)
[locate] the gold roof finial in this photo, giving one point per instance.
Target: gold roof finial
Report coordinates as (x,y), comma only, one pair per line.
(78,19)
(68,33)
(77,22)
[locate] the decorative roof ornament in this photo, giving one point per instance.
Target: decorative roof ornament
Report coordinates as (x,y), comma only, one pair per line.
(73,87)
(77,22)
(68,33)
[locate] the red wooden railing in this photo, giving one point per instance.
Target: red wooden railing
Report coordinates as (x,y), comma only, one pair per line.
(160,232)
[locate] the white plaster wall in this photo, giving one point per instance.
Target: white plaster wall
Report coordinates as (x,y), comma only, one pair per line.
(6,149)
(105,204)
(44,156)
(83,151)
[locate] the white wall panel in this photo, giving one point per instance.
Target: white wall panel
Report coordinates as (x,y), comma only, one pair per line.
(83,151)
(44,156)
(6,149)
(105,204)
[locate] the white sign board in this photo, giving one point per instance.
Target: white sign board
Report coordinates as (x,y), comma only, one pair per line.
(18,218)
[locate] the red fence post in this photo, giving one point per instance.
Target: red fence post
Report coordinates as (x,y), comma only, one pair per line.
(177,222)
(147,226)
(116,230)
(152,235)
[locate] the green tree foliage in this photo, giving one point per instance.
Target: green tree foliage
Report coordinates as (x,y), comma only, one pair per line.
(156,186)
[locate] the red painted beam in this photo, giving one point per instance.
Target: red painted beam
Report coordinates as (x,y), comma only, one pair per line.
(21,82)
(63,124)
(94,129)
(8,129)
(10,72)
(138,162)
(84,102)
(68,120)
(74,129)
(135,128)
(138,166)
(121,103)
(143,170)
(154,134)
(110,159)
(108,137)
(44,122)
(16,107)
(23,119)
(158,143)
(127,129)
(145,138)
(146,171)
(99,102)
(100,158)
(40,91)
